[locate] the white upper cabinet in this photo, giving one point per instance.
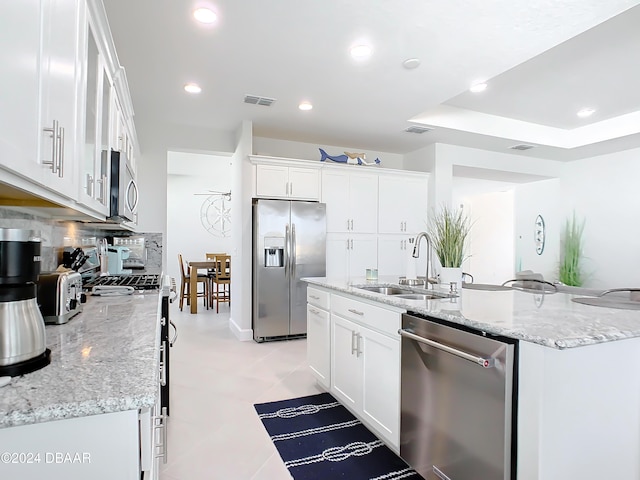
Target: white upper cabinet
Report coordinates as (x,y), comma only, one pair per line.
(95,128)
(352,200)
(290,182)
(39,82)
(59,90)
(20,58)
(402,204)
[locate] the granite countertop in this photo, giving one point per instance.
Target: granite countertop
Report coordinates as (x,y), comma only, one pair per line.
(552,320)
(104,360)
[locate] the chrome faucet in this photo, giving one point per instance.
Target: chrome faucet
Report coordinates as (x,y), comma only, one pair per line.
(416,253)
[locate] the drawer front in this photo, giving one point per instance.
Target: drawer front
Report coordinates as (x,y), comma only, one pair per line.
(381,319)
(319,298)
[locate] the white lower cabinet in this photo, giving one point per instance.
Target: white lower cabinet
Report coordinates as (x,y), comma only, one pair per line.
(100,447)
(319,335)
(365,364)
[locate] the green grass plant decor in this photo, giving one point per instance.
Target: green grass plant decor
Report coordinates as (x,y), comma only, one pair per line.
(448,230)
(570,264)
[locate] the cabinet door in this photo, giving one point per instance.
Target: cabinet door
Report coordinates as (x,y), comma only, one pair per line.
(337,259)
(393,253)
(363,254)
(58,95)
(381,383)
(19,57)
(335,194)
(304,183)
(318,344)
(346,367)
(402,204)
(271,181)
(363,203)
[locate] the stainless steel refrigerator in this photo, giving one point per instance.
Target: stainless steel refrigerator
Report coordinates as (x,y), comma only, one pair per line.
(289,243)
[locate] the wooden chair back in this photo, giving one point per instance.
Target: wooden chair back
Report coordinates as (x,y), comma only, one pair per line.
(222,269)
(212,256)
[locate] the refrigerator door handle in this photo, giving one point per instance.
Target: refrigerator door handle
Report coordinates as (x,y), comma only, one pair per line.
(287,249)
(293,250)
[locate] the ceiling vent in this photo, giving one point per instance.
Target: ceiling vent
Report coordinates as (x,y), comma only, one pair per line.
(417,129)
(522,146)
(255,100)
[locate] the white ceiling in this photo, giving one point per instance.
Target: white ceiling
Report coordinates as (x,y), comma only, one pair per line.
(543,60)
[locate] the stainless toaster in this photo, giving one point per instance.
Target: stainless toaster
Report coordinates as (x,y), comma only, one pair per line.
(60,296)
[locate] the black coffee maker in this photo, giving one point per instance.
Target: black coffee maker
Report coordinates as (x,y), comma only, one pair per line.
(22,334)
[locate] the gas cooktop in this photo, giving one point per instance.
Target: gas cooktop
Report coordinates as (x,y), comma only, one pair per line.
(138,282)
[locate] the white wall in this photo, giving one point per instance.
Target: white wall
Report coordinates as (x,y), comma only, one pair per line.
(604,191)
(240,321)
(491,246)
(190,175)
(532,199)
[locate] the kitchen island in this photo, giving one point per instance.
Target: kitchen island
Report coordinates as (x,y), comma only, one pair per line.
(578,373)
(84,415)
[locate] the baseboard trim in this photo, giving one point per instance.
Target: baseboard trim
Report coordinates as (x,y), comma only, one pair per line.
(244,335)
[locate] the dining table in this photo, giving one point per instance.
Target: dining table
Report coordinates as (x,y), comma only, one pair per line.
(194,266)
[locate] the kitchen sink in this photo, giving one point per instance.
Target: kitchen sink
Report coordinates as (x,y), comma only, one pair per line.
(415,296)
(387,290)
(405,293)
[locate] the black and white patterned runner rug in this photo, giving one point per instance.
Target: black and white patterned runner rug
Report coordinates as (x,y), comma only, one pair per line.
(318,438)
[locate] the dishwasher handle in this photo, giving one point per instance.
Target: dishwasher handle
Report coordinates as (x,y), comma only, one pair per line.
(483,362)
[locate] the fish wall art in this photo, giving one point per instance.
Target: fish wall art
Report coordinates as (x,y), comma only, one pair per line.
(348,157)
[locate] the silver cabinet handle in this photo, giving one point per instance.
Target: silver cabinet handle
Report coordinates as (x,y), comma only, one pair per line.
(61,152)
(291,189)
(354,344)
(358,349)
(483,362)
(175,336)
(347,224)
(55,149)
(352,224)
(314,311)
(351,243)
(89,187)
(352,310)
(314,297)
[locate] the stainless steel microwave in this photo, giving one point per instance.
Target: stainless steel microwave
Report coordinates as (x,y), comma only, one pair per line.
(124,190)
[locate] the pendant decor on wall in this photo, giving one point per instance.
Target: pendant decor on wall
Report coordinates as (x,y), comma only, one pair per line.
(215,214)
(539,234)
(348,157)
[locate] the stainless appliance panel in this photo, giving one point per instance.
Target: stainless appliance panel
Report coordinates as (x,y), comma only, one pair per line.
(124,190)
(271,282)
(456,414)
(288,243)
(308,239)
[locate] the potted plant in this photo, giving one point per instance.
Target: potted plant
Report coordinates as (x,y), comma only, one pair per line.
(449,229)
(570,272)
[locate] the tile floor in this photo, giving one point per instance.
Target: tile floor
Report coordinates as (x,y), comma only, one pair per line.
(214,432)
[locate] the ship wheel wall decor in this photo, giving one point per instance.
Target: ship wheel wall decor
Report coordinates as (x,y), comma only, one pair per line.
(215,215)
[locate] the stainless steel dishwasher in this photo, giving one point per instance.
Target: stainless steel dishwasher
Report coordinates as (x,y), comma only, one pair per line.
(458,395)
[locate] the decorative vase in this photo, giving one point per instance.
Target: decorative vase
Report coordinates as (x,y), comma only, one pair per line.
(449,275)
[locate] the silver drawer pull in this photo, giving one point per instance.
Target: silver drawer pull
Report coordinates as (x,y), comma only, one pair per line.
(356,312)
(483,362)
(314,297)
(314,311)
(354,342)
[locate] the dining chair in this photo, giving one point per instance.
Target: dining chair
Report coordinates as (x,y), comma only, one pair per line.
(221,280)
(185,284)
(210,272)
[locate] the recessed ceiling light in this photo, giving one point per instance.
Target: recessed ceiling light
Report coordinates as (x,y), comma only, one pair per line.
(361,52)
(411,63)
(305,106)
(192,88)
(585,112)
(478,87)
(205,15)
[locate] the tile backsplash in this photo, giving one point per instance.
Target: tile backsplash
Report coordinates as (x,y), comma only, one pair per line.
(56,235)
